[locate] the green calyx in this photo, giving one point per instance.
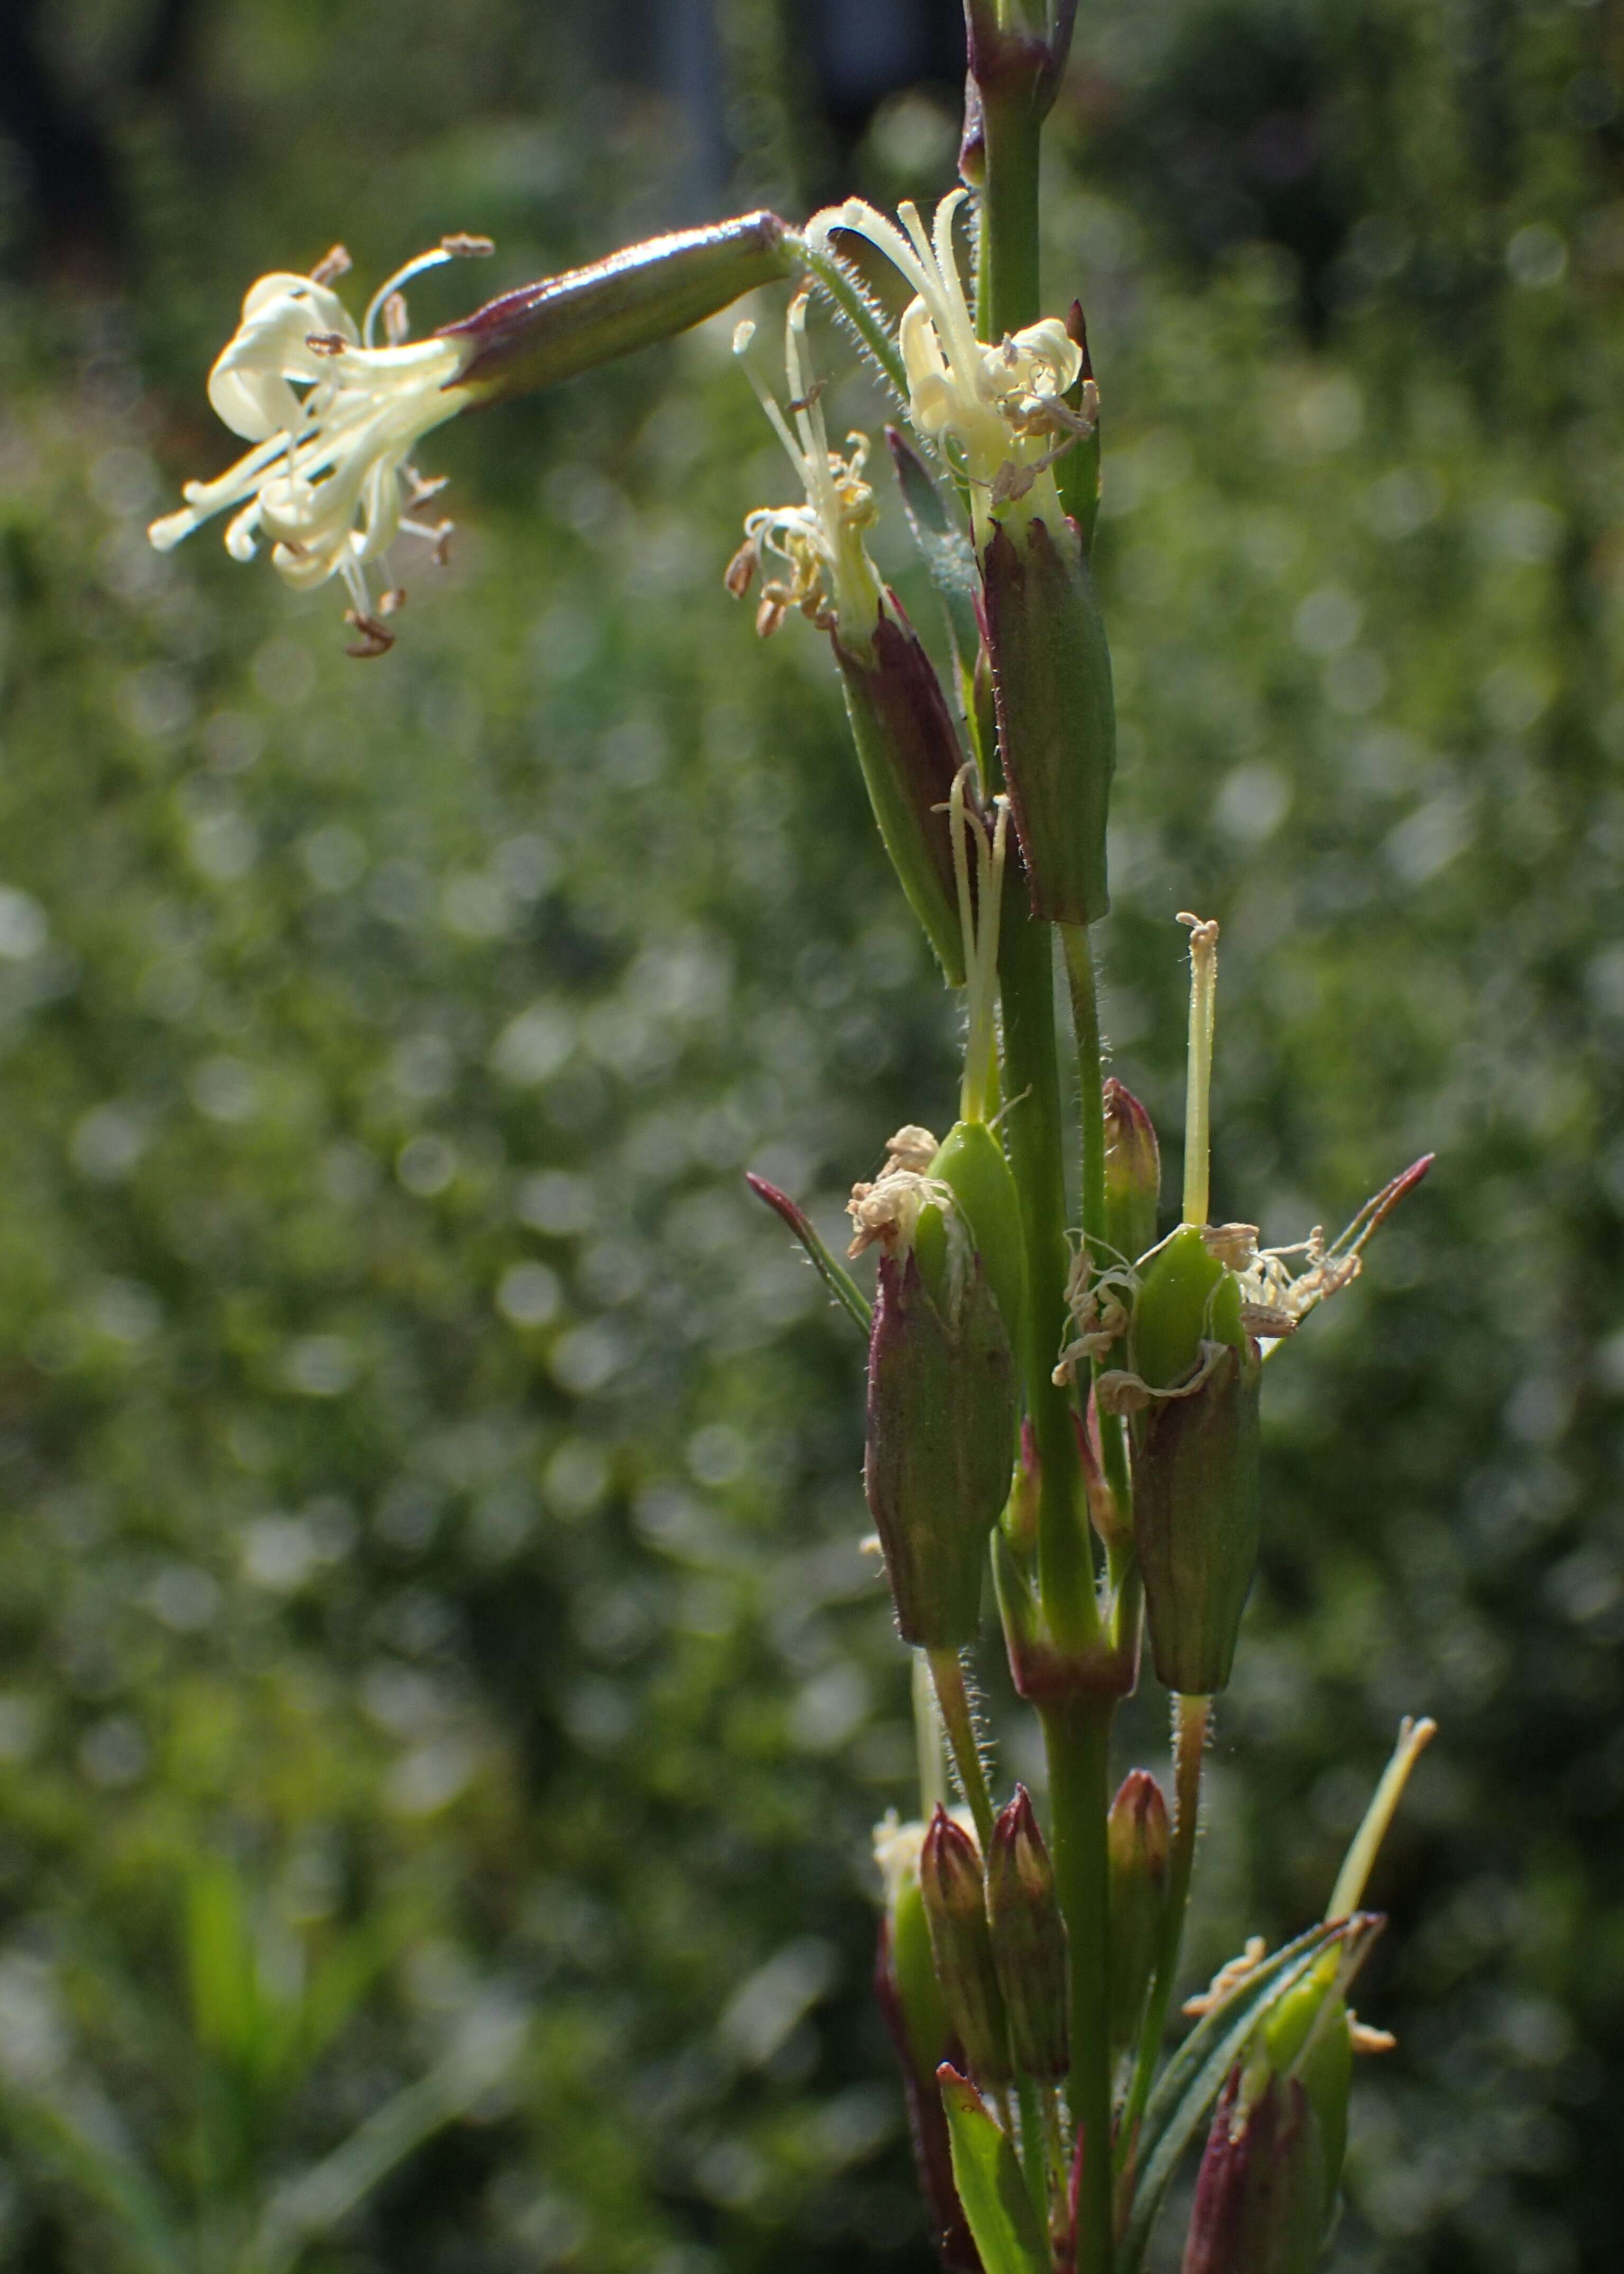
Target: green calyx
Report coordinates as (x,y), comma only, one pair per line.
(940,1426)
(1197,1514)
(970,1163)
(1056,714)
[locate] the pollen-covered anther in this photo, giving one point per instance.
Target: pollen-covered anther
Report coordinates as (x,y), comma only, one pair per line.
(332,265)
(740,571)
(885,1211)
(1363,2039)
(1228,1976)
(375,637)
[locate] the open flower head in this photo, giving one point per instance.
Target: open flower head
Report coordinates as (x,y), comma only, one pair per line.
(334,418)
(1002,407)
(828,574)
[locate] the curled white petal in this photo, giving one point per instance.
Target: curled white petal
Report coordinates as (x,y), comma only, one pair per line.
(333,423)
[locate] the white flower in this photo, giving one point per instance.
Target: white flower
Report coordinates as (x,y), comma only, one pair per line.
(1003,407)
(334,418)
(832,578)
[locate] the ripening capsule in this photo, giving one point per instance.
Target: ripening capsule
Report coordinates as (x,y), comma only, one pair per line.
(1196,1507)
(970,1162)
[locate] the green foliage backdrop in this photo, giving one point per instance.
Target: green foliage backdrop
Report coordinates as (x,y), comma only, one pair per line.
(431,1494)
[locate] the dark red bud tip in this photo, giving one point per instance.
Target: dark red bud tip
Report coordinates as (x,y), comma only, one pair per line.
(1076,330)
(1139,1830)
(950,1865)
(1019,1843)
(781,1204)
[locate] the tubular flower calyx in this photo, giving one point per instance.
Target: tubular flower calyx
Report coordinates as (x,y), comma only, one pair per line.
(334,418)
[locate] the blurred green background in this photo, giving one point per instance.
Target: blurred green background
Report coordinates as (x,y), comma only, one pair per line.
(442,1703)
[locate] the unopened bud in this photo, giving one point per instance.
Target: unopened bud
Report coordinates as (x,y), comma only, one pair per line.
(1029,1940)
(565,325)
(1196,1511)
(1308,2032)
(1056,715)
(1138,1839)
(1260,2197)
(1132,1173)
(950,1876)
(911,2005)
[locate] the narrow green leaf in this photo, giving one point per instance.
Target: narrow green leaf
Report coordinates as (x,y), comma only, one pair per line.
(70,2129)
(986,2174)
(314,2202)
(839,1282)
(1190,2082)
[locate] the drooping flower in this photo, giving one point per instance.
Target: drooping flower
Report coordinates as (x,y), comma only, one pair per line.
(1001,406)
(334,418)
(830,578)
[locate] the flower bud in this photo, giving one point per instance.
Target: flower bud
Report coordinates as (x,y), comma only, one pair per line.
(1132,1173)
(1196,1514)
(971,1162)
(565,325)
(1260,2195)
(1138,1839)
(1029,1940)
(909,752)
(941,1430)
(950,1878)
(1057,718)
(912,2007)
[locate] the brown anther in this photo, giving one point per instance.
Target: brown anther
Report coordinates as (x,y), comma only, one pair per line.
(392,601)
(420,491)
(464,247)
(770,614)
(326,344)
(442,544)
(395,324)
(739,574)
(332,265)
(375,638)
(811,398)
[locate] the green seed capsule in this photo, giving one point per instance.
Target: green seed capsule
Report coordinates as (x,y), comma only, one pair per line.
(970,1163)
(1196,1496)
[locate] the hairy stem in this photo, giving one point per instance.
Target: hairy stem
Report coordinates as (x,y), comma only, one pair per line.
(947,1671)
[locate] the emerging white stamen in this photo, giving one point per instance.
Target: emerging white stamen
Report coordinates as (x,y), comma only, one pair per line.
(1002,407)
(333,419)
(832,578)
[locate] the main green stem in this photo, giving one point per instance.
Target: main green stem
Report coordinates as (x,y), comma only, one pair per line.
(1076,1728)
(1077,1734)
